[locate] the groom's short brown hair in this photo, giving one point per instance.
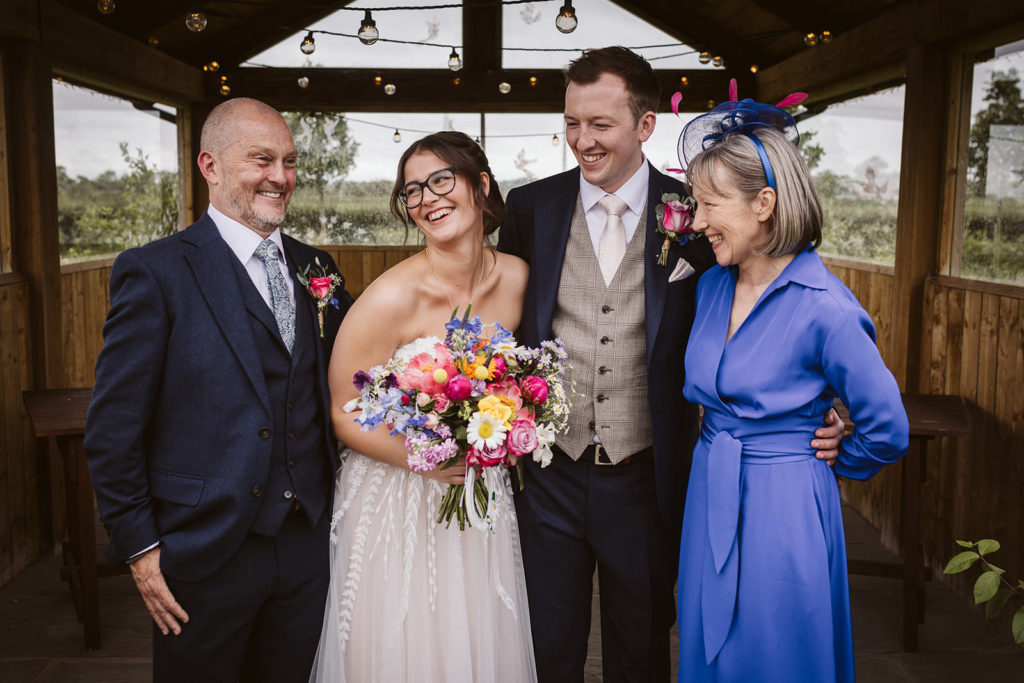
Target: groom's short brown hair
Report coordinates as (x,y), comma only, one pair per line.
(642,83)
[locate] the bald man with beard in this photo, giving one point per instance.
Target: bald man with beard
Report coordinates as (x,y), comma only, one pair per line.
(208,436)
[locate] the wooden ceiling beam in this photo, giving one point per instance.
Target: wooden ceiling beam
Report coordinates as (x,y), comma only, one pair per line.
(422,90)
(481,35)
(250,37)
(90,53)
(139,20)
(873,53)
(802,18)
(21,20)
(698,30)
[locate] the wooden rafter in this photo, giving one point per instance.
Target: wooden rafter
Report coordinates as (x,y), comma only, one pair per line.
(699,30)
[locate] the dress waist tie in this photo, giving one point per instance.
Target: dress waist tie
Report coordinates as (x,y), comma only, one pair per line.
(720,575)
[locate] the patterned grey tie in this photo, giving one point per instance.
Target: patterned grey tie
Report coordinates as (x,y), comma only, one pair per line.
(284,308)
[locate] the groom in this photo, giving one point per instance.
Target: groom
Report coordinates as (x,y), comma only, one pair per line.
(614,492)
(208,438)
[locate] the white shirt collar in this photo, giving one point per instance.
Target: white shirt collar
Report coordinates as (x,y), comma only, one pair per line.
(242,240)
(633,191)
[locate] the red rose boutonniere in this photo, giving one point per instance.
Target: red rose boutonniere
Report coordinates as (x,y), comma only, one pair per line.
(675,221)
(320,286)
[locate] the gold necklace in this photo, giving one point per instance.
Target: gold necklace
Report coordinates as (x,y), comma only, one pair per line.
(472,297)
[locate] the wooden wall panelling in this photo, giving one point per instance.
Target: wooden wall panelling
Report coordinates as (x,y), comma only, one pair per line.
(6,253)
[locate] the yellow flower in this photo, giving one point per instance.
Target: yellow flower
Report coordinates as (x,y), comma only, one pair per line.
(481,372)
(501,408)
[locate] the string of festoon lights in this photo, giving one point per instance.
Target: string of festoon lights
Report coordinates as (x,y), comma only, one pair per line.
(566,21)
(397,135)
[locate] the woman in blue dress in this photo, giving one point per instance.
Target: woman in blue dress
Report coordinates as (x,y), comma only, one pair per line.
(763,592)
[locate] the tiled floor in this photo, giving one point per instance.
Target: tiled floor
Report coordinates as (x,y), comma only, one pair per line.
(41,641)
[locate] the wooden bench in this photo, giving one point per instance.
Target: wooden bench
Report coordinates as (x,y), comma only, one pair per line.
(60,413)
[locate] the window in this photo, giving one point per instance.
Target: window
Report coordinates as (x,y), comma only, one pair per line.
(853,151)
(116,172)
(993,239)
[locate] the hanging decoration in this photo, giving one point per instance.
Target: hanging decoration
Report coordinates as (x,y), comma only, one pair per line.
(195,20)
(105,6)
(454,63)
(397,137)
(390,89)
(303,82)
(308,44)
(566,21)
(368,33)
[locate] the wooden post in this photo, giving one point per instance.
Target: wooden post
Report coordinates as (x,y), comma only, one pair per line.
(918,221)
(193,194)
(35,237)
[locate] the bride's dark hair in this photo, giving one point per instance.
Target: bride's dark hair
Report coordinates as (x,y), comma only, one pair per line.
(460,152)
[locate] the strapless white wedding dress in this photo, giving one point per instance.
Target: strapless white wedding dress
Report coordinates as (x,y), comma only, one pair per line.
(412,600)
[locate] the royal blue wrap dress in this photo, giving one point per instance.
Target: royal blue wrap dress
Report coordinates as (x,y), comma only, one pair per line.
(763,592)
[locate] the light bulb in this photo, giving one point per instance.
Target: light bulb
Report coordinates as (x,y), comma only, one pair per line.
(566,21)
(212,67)
(717,61)
(456,80)
(376,80)
(225,89)
(195,21)
(368,33)
(810,40)
(533,81)
(753,68)
(454,63)
(390,89)
(711,104)
(105,6)
(504,88)
(153,40)
(825,37)
(704,57)
(684,81)
(397,137)
(307,46)
(554,140)
(303,82)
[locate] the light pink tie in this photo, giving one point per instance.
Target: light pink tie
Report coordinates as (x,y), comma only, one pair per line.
(612,246)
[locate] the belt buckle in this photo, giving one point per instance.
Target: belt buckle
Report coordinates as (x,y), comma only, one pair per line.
(601,456)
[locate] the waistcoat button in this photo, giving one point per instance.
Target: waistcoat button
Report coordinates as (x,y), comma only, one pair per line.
(605,339)
(256,491)
(264,433)
(601,398)
(606,308)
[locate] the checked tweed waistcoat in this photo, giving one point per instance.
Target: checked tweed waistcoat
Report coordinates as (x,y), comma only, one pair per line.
(603,328)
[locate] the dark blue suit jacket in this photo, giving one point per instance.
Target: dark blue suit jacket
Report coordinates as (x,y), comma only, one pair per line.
(537,221)
(177,432)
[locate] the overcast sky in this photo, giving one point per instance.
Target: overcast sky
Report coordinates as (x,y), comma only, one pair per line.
(89,126)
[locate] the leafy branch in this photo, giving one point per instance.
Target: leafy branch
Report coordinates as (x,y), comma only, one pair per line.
(991,587)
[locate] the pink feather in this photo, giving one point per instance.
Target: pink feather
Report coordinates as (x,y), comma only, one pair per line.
(733,90)
(792,99)
(677,97)
(675,170)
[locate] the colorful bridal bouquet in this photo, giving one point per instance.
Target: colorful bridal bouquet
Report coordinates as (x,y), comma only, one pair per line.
(487,399)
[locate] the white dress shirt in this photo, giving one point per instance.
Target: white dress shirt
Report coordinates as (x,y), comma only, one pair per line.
(243,242)
(633,192)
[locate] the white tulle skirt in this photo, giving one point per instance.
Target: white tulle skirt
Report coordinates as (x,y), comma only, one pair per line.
(411,600)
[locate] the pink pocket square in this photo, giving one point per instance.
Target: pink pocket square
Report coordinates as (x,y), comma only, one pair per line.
(682,271)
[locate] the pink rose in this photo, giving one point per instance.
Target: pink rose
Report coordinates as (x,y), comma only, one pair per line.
(522,440)
(441,403)
(320,287)
(535,389)
(458,388)
(486,457)
(677,218)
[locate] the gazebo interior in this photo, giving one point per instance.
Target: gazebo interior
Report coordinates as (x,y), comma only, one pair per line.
(941,330)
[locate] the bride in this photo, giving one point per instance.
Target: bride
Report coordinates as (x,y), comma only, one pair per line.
(411,599)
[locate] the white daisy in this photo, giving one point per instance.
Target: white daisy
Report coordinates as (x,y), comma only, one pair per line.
(483,431)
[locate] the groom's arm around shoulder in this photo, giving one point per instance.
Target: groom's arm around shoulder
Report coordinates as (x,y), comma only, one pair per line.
(129,372)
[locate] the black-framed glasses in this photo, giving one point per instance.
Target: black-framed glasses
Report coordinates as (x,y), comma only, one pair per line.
(439,182)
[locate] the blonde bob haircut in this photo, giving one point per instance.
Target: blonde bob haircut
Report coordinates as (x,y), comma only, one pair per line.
(796,221)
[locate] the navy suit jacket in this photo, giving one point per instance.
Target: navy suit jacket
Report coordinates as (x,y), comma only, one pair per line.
(177,431)
(537,222)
